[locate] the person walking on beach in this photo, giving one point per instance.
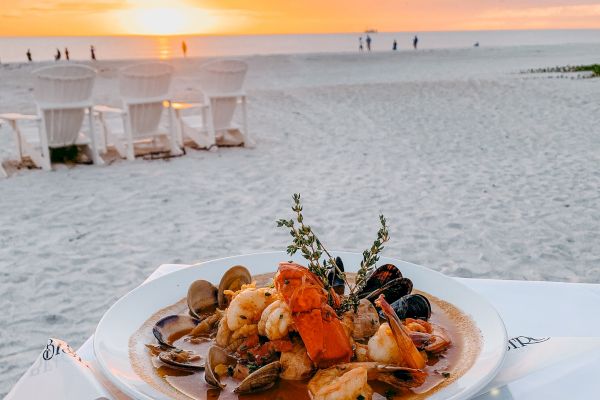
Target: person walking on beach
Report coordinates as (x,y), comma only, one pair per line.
(368,43)
(184,48)
(415,42)
(57,56)
(93,52)
(29,59)
(67,54)
(395,45)
(360,45)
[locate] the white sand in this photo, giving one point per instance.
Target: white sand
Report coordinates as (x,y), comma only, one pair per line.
(482,172)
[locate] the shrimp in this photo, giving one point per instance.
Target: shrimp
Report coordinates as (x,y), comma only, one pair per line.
(361,352)
(434,339)
(333,384)
(382,346)
(295,363)
(409,352)
(275,320)
(223,333)
(244,332)
(349,381)
(247,307)
(207,324)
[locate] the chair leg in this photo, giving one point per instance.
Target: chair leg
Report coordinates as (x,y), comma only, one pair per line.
(175,149)
(95,156)
(210,125)
(129,134)
(247,141)
(103,133)
(45,159)
(178,127)
(18,139)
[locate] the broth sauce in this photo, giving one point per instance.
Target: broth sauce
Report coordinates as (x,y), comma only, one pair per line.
(182,384)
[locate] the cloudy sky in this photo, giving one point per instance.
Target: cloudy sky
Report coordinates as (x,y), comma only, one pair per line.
(105,17)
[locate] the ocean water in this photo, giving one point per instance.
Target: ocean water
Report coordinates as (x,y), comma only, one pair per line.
(13,49)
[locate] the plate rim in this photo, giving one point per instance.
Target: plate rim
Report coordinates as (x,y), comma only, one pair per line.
(129,391)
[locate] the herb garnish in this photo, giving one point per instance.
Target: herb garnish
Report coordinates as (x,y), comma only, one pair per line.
(312,249)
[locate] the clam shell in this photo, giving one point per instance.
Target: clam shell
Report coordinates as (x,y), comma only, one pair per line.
(366,320)
(201,298)
(233,279)
(262,379)
(216,356)
(170,325)
(166,357)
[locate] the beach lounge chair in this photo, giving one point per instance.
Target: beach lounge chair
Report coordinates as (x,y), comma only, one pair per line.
(221,83)
(63,96)
(144,90)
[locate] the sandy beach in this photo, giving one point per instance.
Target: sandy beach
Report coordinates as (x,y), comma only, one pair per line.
(481,171)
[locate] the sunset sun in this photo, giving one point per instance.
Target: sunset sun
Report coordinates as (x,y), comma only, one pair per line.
(161,21)
(167,18)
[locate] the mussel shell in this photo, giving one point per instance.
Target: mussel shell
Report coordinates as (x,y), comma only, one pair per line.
(233,279)
(414,306)
(216,356)
(380,277)
(202,298)
(262,379)
(334,278)
(170,325)
(392,290)
(192,365)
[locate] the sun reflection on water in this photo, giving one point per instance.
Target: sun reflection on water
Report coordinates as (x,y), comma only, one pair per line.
(163,48)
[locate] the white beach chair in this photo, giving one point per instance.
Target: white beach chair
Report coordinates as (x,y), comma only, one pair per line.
(63,95)
(144,90)
(221,83)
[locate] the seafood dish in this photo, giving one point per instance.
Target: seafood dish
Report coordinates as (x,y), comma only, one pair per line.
(280,335)
(309,331)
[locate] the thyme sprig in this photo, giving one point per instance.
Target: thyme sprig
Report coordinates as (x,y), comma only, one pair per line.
(370,258)
(307,242)
(312,249)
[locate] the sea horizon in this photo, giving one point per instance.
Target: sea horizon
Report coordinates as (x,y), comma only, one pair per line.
(115,47)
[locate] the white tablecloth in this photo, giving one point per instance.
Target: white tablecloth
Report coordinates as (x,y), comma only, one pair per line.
(563,311)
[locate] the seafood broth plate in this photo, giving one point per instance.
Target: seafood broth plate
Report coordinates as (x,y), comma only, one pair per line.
(123,319)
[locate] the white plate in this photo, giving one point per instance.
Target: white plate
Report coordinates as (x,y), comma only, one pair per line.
(129,313)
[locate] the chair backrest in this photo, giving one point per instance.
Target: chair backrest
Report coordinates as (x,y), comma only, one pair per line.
(220,78)
(143,88)
(223,76)
(62,93)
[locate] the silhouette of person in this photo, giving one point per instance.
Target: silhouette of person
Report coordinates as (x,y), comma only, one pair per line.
(368,42)
(415,42)
(184,48)
(57,56)
(93,52)
(67,54)
(395,45)
(360,44)
(29,55)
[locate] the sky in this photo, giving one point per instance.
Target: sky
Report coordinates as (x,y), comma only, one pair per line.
(167,17)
